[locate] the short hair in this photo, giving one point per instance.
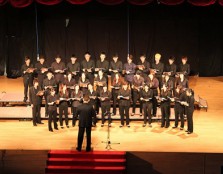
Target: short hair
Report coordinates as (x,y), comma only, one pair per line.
(130,56)
(115,55)
(27,58)
(87,52)
(41,57)
(142,55)
(172,58)
(73,55)
(102,53)
(86,97)
(184,57)
(58,56)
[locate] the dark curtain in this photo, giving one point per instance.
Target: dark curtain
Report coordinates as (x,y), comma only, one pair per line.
(65,29)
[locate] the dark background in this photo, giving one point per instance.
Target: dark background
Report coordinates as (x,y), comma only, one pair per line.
(196,32)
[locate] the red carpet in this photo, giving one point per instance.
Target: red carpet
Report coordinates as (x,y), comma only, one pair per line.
(73,162)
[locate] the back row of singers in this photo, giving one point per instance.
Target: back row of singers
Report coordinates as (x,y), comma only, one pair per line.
(88,66)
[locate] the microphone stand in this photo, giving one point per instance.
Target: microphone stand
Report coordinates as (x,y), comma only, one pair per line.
(108,142)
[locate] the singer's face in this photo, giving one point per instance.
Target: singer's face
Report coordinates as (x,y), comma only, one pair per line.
(41,61)
(58,60)
(87,57)
(102,56)
(28,61)
(170,61)
(142,58)
(184,61)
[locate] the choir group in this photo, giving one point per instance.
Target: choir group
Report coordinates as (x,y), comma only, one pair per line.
(143,84)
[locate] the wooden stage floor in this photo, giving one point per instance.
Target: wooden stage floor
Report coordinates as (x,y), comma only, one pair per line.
(207,136)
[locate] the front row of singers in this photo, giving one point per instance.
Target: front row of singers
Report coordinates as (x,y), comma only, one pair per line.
(121,94)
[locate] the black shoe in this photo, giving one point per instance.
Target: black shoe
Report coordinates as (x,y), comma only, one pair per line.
(35,124)
(51,130)
(25,99)
(144,125)
(109,125)
(189,132)
(93,125)
(174,127)
(73,125)
(121,126)
(67,126)
(150,125)
(56,128)
(102,125)
(162,126)
(181,128)
(166,126)
(61,127)
(128,126)
(79,150)
(40,123)
(140,114)
(88,149)
(132,114)
(186,131)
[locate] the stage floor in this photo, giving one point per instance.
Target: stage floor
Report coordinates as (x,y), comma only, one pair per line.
(207,136)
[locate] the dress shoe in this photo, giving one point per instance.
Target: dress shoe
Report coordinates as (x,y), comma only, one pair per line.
(144,125)
(132,114)
(67,126)
(51,130)
(93,125)
(128,126)
(88,149)
(174,127)
(56,128)
(121,126)
(162,126)
(150,125)
(102,125)
(73,125)
(61,127)
(181,128)
(109,125)
(186,131)
(35,124)
(40,123)
(166,126)
(140,114)
(79,150)
(189,132)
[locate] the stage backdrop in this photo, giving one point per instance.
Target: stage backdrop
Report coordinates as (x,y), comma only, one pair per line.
(67,29)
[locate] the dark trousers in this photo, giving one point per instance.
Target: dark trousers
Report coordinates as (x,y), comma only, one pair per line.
(165,111)
(40,78)
(90,76)
(178,110)
(124,110)
(63,109)
(147,109)
(27,82)
(114,101)
(92,102)
(135,98)
(190,126)
(36,114)
(154,102)
(52,117)
(74,118)
(104,109)
(81,137)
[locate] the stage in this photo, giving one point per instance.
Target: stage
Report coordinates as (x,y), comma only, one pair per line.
(21,135)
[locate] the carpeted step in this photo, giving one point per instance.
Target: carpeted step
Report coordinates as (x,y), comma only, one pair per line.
(90,155)
(85,169)
(85,162)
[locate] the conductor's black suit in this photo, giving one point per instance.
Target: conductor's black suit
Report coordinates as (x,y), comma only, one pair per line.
(85,112)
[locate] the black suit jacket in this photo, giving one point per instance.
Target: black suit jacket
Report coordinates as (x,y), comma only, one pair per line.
(85,112)
(33,98)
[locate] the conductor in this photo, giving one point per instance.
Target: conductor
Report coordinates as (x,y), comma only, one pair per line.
(85,113)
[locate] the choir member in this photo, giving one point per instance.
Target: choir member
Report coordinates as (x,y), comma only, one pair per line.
(171,68)
(63,105)
(52,100)
(168,82)
(129,69)
(105,97)
(184,67)
(70,82)
(189,109)
(115,66)
(35,98)
(83,83)
(146,96)
(27,73)
(116,86)
(76,96)
(58,68)
(88,66)
(158,68)
(137,84)
(179,96)
(48,84)
(182,81)
(124,96)
(74,67)
(164,99)
(41,69)
(143,66)
(153,84)
(93,97)
(102,64)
